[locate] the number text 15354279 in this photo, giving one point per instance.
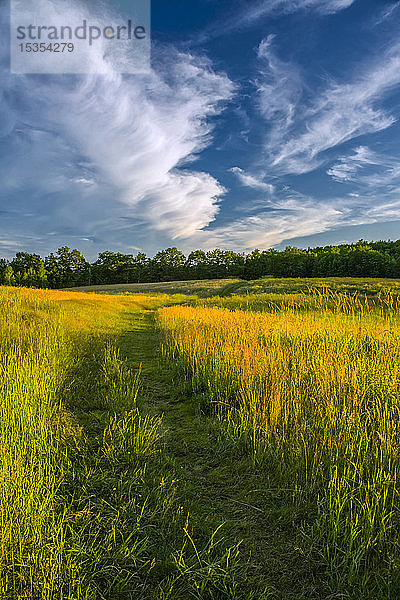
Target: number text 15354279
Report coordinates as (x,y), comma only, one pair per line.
(44,47)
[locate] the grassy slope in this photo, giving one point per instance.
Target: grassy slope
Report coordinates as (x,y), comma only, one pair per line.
(227,287)
(209,287)
(368,286)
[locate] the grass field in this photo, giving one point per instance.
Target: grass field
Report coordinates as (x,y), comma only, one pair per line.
(201,289)
(267,285)
(169,445)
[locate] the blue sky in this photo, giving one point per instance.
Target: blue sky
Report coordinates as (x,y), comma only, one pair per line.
(263,123)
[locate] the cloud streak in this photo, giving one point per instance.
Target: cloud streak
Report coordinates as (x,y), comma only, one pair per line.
(295,215)
(368,169)
(265,8)
(255,11)
(251,181)
(303,131)
(348,167)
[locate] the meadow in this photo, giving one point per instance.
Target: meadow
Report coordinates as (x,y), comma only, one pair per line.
(241,446)
(75,503)
(311,387)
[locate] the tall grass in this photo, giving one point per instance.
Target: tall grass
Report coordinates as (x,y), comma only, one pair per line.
(34,355)
(309,299)
(313,388)
(87,506)
(45,546)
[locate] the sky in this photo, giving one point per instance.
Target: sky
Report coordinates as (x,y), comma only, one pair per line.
(262,123)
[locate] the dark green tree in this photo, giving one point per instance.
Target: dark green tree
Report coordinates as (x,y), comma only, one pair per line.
(168,265)
(68,268)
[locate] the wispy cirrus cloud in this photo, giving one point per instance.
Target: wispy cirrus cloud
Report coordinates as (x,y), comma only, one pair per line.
(279,91)
(347,168)
(368,169)
(298,131)
(281,219)
(252,181)
(253,12)
(258,10)
(387,12)
(339,113)
(292,215)
(301,124)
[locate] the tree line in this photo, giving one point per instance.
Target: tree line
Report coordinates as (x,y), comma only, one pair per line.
(69,268)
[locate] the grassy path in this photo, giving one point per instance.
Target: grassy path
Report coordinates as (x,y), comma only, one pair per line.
(217,483)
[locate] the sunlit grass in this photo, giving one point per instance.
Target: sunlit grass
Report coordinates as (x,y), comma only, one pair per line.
(43,336)
(307,384)
(312,386)
(86,507)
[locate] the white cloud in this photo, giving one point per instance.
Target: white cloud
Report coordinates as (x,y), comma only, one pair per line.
(297,215)
(138,132)
(347,167)
(83,180)
(343,111)
(279,87)
(125,142)
(257,10)
(367,168)
(270,7)
(291,216)
(387,12)
(251,181)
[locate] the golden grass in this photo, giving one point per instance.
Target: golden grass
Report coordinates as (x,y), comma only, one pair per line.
(314,385)
(311,384)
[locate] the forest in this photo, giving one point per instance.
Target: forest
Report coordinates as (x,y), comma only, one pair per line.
(69,268)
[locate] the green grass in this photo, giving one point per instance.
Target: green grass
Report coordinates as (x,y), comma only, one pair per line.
(265,285)
(87,502)
(121,480)
(70,429)
(270,285)
(208,287)
(309,387)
